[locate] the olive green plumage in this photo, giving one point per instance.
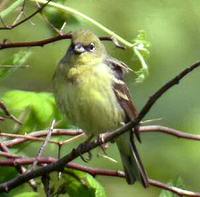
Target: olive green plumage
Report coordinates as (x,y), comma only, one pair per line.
(90,91)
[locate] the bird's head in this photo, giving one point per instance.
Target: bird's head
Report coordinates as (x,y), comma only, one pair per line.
(86,48)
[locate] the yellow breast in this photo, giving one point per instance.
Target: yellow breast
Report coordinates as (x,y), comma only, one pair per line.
(90,102)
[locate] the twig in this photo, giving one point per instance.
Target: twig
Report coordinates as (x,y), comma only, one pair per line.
(22,138)
(36,136)
(169,131)
(8,114)
(21,169)
(59,165)
(14,66)
(20,13)
(10,9)
(164,89)
(88,19)
(9,155)
(72,139)
(176,190)
(112,39)
(68,132)
(41,43)
(42,148)
(100,172)
(26,19)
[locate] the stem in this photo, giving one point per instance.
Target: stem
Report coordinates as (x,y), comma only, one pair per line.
(89,19)
(11,8)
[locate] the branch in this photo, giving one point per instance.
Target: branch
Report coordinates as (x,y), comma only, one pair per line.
(88,19)
(26,19)
(21,169)
(97,172)
(41,43)
(169,131)
(10,9)
(59,165)
(22,138)
(164,89)
(8,114)
(36,136)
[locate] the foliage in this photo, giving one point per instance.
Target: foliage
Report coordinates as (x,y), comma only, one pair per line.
(171,28)
(74,183)
(16,61)
(37,110)
(178,183)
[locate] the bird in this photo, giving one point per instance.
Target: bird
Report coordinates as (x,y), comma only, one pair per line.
(90,91)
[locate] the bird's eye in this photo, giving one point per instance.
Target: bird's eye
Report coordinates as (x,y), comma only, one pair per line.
(91,47)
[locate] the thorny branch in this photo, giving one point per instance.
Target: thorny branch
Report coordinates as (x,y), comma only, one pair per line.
(57,165)
(60,164)
(37,135)
(96,172)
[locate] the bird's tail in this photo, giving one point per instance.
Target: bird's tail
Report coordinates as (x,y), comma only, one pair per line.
(131,161)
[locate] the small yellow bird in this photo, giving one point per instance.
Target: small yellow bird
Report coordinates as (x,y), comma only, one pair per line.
(90,91)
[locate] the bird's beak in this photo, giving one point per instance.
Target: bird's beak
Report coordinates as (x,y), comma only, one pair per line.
(78,48)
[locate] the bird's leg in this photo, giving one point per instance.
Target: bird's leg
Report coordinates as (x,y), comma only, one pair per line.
(104,145)
(82,146)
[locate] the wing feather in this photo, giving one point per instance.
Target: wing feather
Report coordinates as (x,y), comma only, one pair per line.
(120,88)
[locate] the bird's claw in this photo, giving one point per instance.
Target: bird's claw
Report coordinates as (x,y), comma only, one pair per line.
(89,156)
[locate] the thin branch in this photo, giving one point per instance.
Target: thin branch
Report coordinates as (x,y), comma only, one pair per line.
(169,131)
(42,148)
(176,190)
(27,18)
(10,9)
(164,89)
(21,169)
(8,155)
(36,136)
(41,43)
(88,19)
(22,138)
(8,114)
(72,139)
(112,39)
(99,172)
(59,165)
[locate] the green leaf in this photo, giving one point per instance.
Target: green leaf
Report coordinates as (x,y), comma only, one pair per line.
(27,194)
(15,62)
(177,183)
(141,50)
(77,183)
(7,174)
(37,109)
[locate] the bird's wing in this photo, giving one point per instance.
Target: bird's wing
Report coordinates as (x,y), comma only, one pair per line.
(120,88)
(126,102)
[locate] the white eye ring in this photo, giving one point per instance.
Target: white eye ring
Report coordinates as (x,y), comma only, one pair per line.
(91,47)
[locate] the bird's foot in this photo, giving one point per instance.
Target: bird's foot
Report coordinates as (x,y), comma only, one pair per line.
(103,145)
(84,146)
(89,154)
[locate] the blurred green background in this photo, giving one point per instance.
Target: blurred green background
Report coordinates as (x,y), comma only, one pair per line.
(173,28)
